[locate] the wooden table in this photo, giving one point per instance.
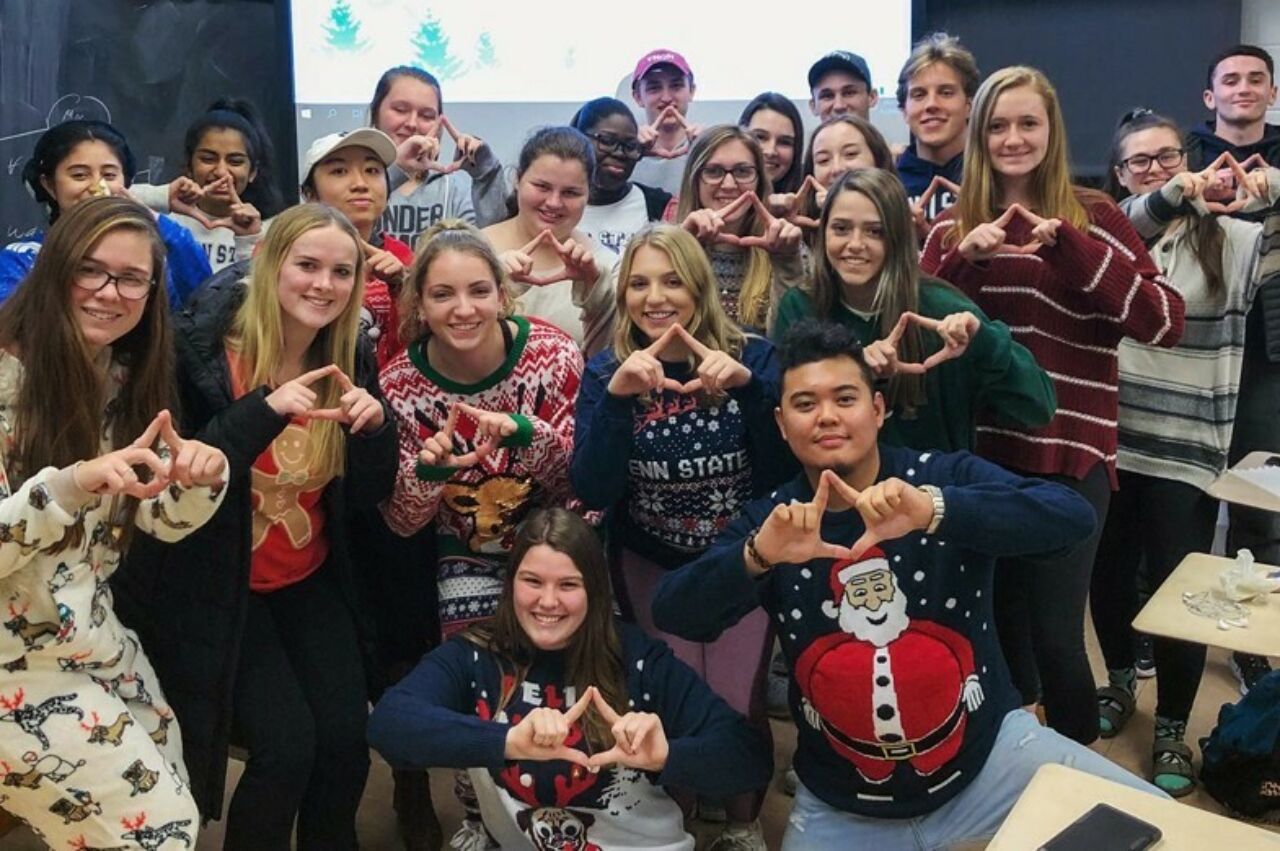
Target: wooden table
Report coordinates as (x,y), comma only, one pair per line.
(1230,488)
(1058,795)
(1166,615)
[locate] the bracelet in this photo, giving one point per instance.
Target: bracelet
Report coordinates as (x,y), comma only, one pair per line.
(754,554)
(939,507)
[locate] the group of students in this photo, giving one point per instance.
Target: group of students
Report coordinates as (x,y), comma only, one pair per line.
(671,395)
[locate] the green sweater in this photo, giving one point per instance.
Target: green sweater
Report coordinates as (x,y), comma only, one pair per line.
(994,372)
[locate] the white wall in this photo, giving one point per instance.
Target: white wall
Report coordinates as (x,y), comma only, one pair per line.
(1260,25)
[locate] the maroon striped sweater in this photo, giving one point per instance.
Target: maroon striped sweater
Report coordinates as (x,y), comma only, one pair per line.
(1070,304)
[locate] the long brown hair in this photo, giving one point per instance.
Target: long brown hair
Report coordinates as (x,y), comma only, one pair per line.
(60,418)
(1052,194)
(1202,234)
(898,285)
(594,655)
(448,235)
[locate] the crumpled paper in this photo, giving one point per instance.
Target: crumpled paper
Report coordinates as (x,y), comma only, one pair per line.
(1244,581)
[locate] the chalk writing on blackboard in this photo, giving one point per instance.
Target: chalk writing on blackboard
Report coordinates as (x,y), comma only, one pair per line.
(68,108)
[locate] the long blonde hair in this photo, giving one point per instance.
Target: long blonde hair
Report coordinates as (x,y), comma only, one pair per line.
(753,299)
(257,332)
(1052,194)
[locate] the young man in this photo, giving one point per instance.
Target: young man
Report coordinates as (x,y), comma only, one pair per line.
(877,564)
(935,94)
(662,83)
(840,83)
(1241,87)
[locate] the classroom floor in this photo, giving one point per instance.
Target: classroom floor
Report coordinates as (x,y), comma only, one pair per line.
(377,827)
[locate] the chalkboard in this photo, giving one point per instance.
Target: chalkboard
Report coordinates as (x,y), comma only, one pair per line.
(149,68)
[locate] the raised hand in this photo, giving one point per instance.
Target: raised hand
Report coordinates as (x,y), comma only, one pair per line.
(192,463)
(541,734)
(889,509)
(988,239)
(779,237)
(243,218)
(650,134)
(296,398)
(468,146)
(642,372)
(956,330)
(1232,182)
(792,533)
(114,473)
(418,154)
(383,264)
(641,740)
(437,450)
(578,263)
(357,409)
(185,196)
(717,371)
(791,205)
(919,210)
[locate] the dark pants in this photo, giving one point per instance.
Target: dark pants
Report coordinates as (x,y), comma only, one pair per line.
(1164,521)
(300,707)
(1039,613)
(1257,427)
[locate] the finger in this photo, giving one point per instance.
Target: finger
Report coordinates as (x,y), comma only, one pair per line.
(1007,215)
(868,540)
(309,378)
(148,437)
(209,465)
(821,495)
(332,414)
(607,758)
(180,465)
(895,336)
(362,414)
(843,489)
(575,712)
(602,706)
(449,128)
(735,205)
(661,343)
(450,423)
(533,244)
(644,725)
(692,342)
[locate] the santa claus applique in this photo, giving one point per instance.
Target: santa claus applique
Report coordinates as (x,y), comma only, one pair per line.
(886,689)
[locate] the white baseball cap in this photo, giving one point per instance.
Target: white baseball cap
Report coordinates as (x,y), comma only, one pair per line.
(366,137)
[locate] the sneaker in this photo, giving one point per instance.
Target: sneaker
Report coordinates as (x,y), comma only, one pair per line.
(472,836)
(740,837)
(1249,669)
(1144,659)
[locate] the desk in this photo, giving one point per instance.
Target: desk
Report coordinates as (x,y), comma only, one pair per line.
(1166,615)
(1058,795)
(1229,488)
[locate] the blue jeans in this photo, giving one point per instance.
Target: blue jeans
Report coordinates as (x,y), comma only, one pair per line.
(1021,747)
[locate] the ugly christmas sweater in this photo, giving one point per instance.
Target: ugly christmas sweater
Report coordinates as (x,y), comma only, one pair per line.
(898,684)
(450,712)
(675,468)
(477,509)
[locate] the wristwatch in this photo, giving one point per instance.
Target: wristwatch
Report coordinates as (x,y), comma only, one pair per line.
(939,507)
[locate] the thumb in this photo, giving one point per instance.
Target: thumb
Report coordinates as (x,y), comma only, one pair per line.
(148,437)
(169,434)
(1007,215)
(868,540)
(602,706)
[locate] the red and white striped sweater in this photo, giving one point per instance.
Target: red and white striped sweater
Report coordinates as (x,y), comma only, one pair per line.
(1070,304)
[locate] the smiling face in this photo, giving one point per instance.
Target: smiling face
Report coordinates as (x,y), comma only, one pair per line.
(837,149)
(937,109)
(411,108)
(549,597)
(1150,143)
(656,298)
(354,181)
(222,151)
(840,92)
(552,193)
(855,245)
(777,138)
(316,279)
(663,86)
(1017,134)
(731,155)
(829,415)
(613,168)
(1242,90)
(103,316)
(82,174)
(460,301)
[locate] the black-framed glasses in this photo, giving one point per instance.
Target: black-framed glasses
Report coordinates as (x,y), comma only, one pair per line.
(130,287)
(742,174)
(1141,163)
(614,144)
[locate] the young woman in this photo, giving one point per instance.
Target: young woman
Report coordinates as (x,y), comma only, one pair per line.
(674,464)
(570,723)
(841,143)
(408,106)
(255,618)
(228,193)
(348,172)
(726,164)
(84,381)
(1177,408)
(1064,269)
(78,160)
(558,272)
(616,207)
(775,122)
(484,402)
(943,359)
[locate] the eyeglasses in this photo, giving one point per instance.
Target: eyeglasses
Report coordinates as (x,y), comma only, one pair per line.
(629,148)
(130,287)
(1141,163)
(742,173)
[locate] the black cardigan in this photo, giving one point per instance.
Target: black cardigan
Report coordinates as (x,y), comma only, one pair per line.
(188,601)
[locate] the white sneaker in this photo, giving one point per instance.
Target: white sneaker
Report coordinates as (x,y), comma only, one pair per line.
(740,837)
(472,836)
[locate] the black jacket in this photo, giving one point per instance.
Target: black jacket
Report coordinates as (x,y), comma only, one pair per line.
(188,601)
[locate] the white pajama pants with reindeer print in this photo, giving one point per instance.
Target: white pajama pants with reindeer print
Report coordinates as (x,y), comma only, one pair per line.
(90,756)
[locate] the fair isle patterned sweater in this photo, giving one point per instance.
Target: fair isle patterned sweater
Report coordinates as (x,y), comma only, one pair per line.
(1070,304)
(476,509)
(56,608)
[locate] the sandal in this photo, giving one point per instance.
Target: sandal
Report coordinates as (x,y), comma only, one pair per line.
(1171,760)
(1115,707)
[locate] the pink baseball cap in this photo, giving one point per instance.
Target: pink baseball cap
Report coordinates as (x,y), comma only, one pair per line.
(661,56)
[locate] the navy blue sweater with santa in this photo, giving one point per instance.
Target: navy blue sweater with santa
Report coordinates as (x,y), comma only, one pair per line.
(898,684)
(450,712)
(672,468)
